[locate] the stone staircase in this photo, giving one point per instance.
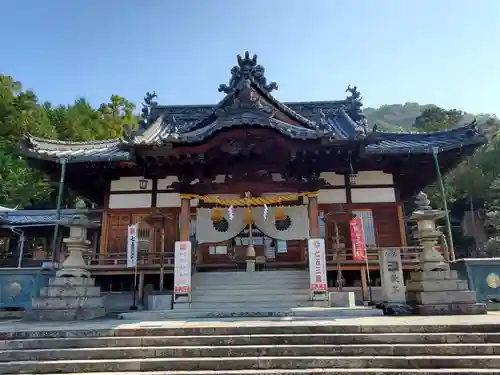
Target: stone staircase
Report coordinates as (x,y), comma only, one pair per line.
(239,292)
(256,349)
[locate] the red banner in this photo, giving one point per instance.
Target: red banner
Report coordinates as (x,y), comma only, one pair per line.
(357,239)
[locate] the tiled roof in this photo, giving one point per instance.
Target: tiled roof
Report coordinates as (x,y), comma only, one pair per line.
(248,102)
(105,151)
(341,128)
(37,217)
(336,125)
(422,143)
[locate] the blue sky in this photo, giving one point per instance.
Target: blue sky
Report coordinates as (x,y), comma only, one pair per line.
(443,52)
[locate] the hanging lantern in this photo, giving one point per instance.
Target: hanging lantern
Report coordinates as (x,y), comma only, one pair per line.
(216,214)
(266,211)
(230,212)
(248,218)
(279,214)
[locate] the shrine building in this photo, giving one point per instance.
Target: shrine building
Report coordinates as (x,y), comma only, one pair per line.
(250,170)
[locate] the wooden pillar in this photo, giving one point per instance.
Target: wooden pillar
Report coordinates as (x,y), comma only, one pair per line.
(402,226)
(364,284)
(162,278)
(313,217)
(184,220)
(140,292)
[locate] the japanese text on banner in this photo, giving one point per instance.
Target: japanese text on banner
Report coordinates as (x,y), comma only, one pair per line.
(357,239)
(132,246)
(317,264)
(182,271)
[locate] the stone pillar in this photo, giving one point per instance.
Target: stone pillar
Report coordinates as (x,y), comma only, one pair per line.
(434,289)
(391,274)
(72,294)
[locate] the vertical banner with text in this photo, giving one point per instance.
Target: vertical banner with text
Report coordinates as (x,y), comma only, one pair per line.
(132,246)
(182,271)
(357,239)
(317,264)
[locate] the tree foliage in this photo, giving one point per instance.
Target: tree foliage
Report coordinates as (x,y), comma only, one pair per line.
(21,114)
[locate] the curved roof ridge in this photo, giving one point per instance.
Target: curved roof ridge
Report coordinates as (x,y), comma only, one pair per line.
(472,126)
(35,139)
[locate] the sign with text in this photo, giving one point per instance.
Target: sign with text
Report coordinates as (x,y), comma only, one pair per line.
(317,264)
(182,271)
(132,246)
(391,272)
(357,239)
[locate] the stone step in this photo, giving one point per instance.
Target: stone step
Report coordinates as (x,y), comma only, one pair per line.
(71,281)
(435,286)
(434,298)
(250,351)
(288,288)
(63,315)
(155,328)
(247,276)
(251,275)
(239,310)
(63,291)
(327,371)
(246,363)
(249,298)
(243,273)
(245,312)
(239,340)
(67,303)
(258,283)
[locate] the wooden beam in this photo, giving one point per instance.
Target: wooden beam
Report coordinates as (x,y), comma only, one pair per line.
(184,220)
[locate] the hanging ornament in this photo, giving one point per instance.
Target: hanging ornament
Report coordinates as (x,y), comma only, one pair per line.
(248,218)
(216,214)
(279,214)
(266,211)
(230,212)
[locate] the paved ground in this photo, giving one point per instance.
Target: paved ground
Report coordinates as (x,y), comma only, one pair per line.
(17,325)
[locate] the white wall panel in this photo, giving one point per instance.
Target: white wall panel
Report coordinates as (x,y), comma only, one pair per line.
(373,195)
(129,200)
(333,178)
(332,196)
(164,183)
(128,183)
(374,178)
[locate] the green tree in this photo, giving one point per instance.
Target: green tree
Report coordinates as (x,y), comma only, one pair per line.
(20,114)
(436,118)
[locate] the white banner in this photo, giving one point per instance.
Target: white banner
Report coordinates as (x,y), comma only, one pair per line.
(132,246)
(182,271)
(317,265)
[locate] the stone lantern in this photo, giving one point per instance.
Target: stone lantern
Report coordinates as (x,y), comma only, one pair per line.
(74,265)
(434,289)
(71,294)
(427,234)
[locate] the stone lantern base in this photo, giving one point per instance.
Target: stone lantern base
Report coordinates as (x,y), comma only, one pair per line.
(441,292)
(68,298)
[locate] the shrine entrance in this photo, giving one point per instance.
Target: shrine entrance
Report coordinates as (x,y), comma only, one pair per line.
(269,252)
(233,233)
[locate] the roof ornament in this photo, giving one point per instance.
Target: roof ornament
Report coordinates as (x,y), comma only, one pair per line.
(354,103)
(322,123)
(473,129)
(147,106)
(247,68)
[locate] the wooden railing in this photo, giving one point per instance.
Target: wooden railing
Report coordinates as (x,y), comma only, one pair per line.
(143,259)
(409,255)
